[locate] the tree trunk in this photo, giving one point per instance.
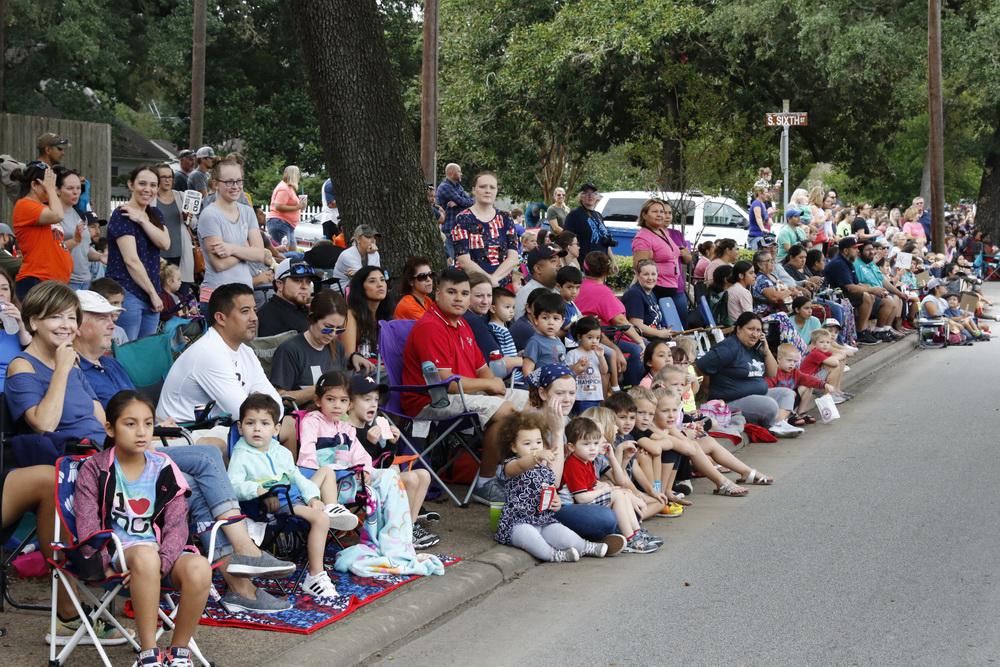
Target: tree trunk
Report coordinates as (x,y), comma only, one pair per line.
(367,142)
(672,154)
(988,207)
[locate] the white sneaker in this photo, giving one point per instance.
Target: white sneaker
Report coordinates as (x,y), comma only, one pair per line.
(846,368)
(340,517)
(319,585)
(783,429)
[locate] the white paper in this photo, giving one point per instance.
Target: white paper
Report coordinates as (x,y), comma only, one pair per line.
(420,429)
(827,408)
(904,260)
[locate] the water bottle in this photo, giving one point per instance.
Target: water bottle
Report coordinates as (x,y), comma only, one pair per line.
(439,395)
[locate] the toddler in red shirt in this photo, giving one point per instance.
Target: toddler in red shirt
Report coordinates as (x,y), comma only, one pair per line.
(823,362)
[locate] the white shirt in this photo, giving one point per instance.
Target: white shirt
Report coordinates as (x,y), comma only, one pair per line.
(350,260)
(208,371)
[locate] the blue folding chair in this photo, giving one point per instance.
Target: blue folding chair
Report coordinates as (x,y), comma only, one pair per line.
(147,362)
(462,428)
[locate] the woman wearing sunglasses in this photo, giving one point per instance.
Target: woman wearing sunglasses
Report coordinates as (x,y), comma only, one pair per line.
(301,360)
(416,290)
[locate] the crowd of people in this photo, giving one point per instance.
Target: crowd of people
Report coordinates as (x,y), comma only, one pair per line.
(596,414)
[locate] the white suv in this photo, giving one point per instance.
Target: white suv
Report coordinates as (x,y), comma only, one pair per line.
(703,218)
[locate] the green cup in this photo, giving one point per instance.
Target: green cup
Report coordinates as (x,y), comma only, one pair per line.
(495,510)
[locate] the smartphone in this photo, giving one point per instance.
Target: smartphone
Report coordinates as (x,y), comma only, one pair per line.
(759,347)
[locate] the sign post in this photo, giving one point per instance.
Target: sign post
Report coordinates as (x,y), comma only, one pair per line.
(785,119)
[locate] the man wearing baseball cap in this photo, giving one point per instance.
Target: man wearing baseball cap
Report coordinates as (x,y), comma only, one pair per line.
(794,232)
(51,148)
(588,224)
(288,309)
(363,252)
(187,160)
(543,264)
(198,179)
(840,274)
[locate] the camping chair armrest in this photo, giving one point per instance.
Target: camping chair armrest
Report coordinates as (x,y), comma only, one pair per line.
(283,493)
(205,424)
(221,523)
(289,405)
(424,388)
(164,432)
(95,541)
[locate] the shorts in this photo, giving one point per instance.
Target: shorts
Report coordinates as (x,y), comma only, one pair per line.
(823,373)
(604,500)
(484,406)
(681,464)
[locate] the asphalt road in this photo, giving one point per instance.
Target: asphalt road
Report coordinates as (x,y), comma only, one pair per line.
(878,545)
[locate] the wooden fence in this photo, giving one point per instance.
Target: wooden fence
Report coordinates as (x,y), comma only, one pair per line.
(89,153)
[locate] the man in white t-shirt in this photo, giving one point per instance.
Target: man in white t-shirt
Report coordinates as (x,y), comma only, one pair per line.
(219,366)
(363,252)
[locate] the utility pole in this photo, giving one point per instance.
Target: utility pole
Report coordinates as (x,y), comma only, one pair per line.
(429,93)
(198,77)
(936,112)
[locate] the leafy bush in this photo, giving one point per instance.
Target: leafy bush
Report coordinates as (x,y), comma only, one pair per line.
(621,282)
(747,254)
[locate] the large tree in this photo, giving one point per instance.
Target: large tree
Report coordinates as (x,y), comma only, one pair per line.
(368,143)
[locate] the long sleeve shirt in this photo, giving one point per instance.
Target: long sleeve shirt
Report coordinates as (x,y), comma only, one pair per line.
(324,442)
(251,469)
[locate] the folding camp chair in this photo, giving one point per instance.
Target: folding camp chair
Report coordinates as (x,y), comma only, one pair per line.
(932,333)
(7,557)
(463,428)
(147,362)
(76,573)
(673,322)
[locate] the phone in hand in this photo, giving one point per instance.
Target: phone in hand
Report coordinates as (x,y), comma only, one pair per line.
(759,347)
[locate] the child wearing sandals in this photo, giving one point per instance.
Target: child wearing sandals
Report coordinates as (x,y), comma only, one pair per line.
(585,441)
(691,441)
(259,462)
(528,519)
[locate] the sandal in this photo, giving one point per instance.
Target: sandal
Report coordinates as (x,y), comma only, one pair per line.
(796,420)
(756,478)
(809,419)
(728,488)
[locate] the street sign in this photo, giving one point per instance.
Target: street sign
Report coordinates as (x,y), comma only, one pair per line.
(786,119)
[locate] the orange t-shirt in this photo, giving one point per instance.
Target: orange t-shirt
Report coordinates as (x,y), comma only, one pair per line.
(409,308)
(44,257)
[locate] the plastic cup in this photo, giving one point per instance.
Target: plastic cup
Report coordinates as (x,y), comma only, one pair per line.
(496,509)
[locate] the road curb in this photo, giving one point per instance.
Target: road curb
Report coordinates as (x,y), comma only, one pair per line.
(421,603)
(403,612)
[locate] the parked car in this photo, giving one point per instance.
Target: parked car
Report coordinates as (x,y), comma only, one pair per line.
(703,217)
(309,232)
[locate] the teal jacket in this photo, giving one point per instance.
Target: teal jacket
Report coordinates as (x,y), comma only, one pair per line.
(251,468)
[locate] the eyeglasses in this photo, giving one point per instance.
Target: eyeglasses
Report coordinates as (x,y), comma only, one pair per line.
(233,184)
(326,331)
(424,276)
(166,178)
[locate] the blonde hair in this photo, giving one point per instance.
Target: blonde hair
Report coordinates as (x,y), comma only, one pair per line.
(167,270)
(642,394)
(788,349)
(666,392)
(292,176)
(661,377)
(818,335)
(910,214)
(689,346)
(816,196)
(799,193)
(605,420)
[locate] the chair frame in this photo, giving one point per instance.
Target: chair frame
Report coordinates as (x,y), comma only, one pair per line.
(67,553)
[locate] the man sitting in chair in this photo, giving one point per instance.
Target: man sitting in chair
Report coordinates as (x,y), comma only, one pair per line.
(288,309)
(212,496)
(220,368)
(443,337)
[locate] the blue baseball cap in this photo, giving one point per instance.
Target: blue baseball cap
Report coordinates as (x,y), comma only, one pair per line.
(793,213)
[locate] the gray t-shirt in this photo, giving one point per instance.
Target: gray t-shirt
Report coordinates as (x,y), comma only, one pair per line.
(212,222)
(81,265)
(558,214)
(198,180)
(297,364)
(172,220)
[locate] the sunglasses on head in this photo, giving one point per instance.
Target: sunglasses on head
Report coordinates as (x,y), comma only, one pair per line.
(299,270)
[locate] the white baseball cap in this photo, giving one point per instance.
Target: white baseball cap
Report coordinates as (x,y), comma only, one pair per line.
(92,302)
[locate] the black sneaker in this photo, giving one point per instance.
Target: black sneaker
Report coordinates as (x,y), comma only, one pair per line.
(866,338)
(423,538)
(425,515)
(885,336)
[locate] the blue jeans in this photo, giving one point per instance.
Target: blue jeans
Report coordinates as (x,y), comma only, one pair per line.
(591,522)
(138,319)
(212,494)
(837,311)
(633,363)
(278,229)
(681,302)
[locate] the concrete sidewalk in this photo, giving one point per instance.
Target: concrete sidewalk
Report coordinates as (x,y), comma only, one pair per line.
(387,621)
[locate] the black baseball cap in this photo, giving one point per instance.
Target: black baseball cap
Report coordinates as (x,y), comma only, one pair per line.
(365,384)
(588,186)
(543,252)
(848,242)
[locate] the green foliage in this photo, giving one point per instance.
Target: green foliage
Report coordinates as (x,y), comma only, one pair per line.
(625,277)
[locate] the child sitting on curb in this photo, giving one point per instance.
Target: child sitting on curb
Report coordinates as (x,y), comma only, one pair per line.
(791,376)
(824,363)
(528,518)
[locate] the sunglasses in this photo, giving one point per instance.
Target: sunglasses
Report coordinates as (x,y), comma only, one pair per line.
(424,276)
(326,331)
(299,270)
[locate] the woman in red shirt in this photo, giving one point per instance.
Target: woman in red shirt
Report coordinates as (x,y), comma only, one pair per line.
(286,208)
(37,219)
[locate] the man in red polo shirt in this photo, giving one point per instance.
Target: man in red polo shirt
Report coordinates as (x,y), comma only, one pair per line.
(443,337)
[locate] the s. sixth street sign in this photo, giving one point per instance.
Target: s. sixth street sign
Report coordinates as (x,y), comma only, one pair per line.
(787,119)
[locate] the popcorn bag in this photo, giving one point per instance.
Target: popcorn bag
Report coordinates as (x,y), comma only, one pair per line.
(545,499)
(827,408)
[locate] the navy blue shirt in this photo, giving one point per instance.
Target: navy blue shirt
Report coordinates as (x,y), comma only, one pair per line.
(521,330)
(640,304)
(107,379)
(484,337)
(735,370)
(840,273)
(589,229)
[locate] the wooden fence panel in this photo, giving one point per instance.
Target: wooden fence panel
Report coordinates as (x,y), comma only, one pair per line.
(89,153)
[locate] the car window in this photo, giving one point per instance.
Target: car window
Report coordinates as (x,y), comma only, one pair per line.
(622,209)
(718,214)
